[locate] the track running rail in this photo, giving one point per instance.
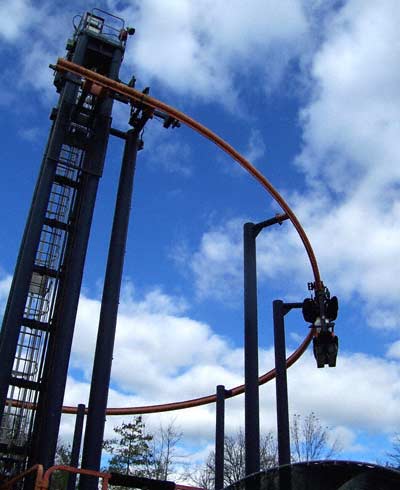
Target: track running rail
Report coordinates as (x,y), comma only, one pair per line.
(132,94)
(139,97)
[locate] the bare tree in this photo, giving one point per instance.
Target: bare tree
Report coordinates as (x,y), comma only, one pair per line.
(163,448)
(310,440)
(394,455)
(234,460)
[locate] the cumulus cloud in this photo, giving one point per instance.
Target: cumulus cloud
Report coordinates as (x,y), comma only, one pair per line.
(256,148)
(162,355)
(208,46)
(350,206)
(5,284)
(394,350)
(164,348)
(15,17)
(351,151)
(345,397)
(169,151)
(36,34)
(216,264)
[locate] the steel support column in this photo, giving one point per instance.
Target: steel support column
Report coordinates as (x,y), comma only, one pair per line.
(56,374)
(47,421)
(22,276)
(282,409)
(76,445)
(21,279)
(14,311)
(252,414)
(108,316)
(220,438)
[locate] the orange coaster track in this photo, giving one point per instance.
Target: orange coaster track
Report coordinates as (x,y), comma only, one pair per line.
(101,84)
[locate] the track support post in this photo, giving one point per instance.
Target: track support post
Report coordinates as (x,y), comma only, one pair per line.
(220,438)
(282,409)
(108,316)
(76,445)
(282,405)
(252,410)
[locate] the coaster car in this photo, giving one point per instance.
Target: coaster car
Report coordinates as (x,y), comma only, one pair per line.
(325,347)
(321,312)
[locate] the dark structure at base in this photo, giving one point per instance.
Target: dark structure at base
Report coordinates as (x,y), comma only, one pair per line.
(323,475)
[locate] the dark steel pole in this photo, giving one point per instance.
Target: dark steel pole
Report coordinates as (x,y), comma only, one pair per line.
(56,366)
(252,416)
(220,438)
(14,311)
(108,316)
(76,445)
(281,384)
(49,407)
(22,276)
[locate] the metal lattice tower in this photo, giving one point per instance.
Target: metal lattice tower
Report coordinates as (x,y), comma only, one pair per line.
(39,320)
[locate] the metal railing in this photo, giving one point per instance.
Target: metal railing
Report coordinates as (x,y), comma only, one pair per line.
(42,480)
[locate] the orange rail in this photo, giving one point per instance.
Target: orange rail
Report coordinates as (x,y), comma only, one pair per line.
(38,468)
(139,97)
(204,400)
(44,484)
(42,481)
(146,100)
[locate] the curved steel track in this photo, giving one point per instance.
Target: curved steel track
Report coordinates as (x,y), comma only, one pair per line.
(134,95)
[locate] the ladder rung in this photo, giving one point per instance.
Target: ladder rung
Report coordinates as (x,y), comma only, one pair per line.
(54,223)
(24,383)
(36,324)
(5,448)
(60,179)
(77,141)
(45,271)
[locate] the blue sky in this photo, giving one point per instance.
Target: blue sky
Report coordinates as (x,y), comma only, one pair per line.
(309,92)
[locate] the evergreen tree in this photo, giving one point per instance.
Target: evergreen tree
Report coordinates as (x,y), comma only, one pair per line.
(130,453)
(59,479)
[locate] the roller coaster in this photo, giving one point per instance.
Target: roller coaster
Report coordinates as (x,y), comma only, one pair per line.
(39,319)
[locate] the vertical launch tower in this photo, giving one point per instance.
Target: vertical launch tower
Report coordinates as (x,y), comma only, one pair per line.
(39,319)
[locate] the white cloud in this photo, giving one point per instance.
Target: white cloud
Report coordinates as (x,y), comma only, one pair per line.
(350,207)
(394,350)
(169,151)
(164,349)
(30,134)
(201,48)
(37,34)
(15,17)
(351,152)
(5,284)
(163,356)
(256,148)
(342,396)
(216,265)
